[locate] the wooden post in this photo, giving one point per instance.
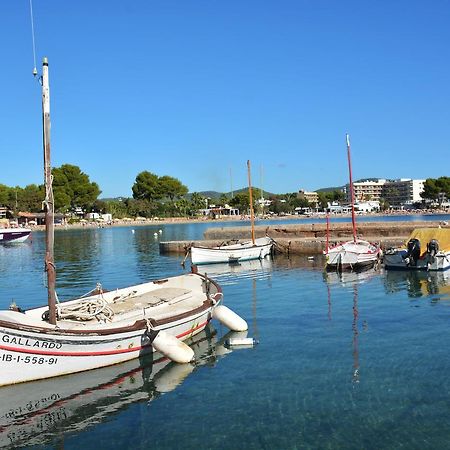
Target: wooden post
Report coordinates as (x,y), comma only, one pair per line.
(252,215)
(49,202)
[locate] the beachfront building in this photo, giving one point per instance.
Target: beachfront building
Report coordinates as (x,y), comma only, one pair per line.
(403,192)
(311,197)
(398,193)
(369,206)
(366,190)
(217,212)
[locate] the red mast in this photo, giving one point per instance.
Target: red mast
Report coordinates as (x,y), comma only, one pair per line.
(352,192)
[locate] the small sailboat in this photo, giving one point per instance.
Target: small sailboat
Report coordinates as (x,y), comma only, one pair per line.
(357,253)
(105,327)
(235,252)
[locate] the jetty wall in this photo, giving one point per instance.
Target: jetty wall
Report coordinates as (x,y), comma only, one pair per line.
(306,238)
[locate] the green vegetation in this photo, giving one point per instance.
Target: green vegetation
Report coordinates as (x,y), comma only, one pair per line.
(436,189)
(166,196)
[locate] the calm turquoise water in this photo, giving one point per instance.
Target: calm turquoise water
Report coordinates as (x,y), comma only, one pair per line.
(355,362)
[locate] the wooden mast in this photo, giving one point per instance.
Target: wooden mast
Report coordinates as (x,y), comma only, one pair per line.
(252,214)
(352,192)
(48,202)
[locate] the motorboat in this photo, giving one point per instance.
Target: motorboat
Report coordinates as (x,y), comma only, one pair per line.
(14,235)
(426,249)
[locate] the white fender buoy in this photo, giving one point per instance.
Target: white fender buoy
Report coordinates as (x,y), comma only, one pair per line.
(241,342)
(222,348)
(160,231)
(172,348)
(229,318)
(171,377)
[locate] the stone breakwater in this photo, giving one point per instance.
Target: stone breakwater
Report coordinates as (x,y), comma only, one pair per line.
(306,239)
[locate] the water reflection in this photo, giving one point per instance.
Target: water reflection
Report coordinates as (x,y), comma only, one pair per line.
(77,254)
(41,412)
(351,282)
(258,269)
(418,283)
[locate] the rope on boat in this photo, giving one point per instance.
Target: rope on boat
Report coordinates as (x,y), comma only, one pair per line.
(84,310)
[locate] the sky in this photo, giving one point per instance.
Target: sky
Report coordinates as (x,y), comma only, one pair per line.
(195,88)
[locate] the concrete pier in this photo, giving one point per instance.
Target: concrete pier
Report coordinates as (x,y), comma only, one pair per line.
(306,239)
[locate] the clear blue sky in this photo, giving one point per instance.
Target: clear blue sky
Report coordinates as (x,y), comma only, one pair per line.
(194,88)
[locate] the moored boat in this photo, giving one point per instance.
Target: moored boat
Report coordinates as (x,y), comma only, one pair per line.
(34,413)
(235,252)
(355,254)
(106,327)
(14,235)
(426,249)
(232,253)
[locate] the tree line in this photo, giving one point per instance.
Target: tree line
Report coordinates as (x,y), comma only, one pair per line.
(163,196)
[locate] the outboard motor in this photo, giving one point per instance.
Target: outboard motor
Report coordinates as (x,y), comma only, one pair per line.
(413,252)
(433,247)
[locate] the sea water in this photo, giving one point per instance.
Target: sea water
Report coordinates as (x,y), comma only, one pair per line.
(354,361)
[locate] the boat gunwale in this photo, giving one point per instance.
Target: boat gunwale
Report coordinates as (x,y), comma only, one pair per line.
(209,302)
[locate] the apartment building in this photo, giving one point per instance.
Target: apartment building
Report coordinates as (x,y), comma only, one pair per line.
(366,190)
(311,197)
(401,192)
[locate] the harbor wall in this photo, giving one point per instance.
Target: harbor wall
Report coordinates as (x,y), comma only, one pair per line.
(306,239)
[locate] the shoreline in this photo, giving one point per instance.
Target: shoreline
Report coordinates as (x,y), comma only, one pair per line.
(184,220)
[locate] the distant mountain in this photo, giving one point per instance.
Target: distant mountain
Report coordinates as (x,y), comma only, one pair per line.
(328,189)
(215,194)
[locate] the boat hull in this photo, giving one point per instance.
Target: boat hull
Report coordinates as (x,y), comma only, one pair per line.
(14,235)
(27,356)
(31,349)
(352,256)
(232,253)
(397,260)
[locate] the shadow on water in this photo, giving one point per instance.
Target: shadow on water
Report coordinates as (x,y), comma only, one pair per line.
(42,412)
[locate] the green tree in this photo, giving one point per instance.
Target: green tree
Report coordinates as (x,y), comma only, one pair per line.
(72,188)
(5,195)
(31,197)
(436,189)
(117,208)
(241,201)
(147,187)
(171,188)
(138,207)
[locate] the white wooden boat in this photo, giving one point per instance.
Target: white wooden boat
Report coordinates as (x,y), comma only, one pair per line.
(34,413)
(14,235)
(235,252)
(232,253)
(357,253)
(104,328)
(427,249)
(353,255)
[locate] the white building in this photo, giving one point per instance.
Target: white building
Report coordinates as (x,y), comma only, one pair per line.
(400,192)
(403,192)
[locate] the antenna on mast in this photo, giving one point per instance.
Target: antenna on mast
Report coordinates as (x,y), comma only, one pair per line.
(35,72)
